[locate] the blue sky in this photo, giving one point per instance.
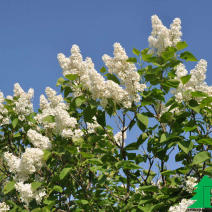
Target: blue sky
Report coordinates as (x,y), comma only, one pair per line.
(34,32)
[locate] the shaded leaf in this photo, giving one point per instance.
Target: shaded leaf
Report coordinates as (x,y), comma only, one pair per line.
(58,188)
(188,56)
(10,186)
(60,81)
(132,60)
(15,122)
(103,70)
(186,146)
(35,185)
(49,119)
(143,119)
(113,78)
(181,45)
(71,76)
(136,51)
(64,173)
(185,79)
(201,157)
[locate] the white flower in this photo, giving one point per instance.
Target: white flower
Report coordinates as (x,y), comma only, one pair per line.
(63,123)
(12,161)
(4,207)
(92,126)
(23,106)
(190,184)
(38,140)
(1,97)
(196,82)
(118,137)
(162,37)
(96,84)
(26,193)
(125,71)
(30,161)
(182,207)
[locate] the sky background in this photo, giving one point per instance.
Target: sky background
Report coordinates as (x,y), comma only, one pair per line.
(32,33)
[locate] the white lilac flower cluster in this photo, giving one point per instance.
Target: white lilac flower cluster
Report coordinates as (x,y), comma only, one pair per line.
(125,71)
(118,137)
(63,124)
(27,194)
(191,182)
(182,206)
(96,84)
(4,207)
(29,163)
(23,106)
(32,159)
(162,37)
(196,82)
(92,126)
(38,140)
(3,112)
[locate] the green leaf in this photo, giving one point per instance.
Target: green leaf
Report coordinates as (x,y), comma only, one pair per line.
(132,146)
(49,202)
(113,78)
(206,101)
(168,172)
(181,45)
(101,118)
(84,202)
(16,135)
(193,104)
(168,53)
(10,186)
(127,165)
(15,122)
(71,76)
(103,70)
(132,123)
(166,117)
(143,119)
(132,60)
(185,79)
(49,119)
(64,173)
(60,81)
(46,154)
(86,155)
(188,56)
(198,94)
(171,83)
(79,101)
(186,146)
(89,113)
(37,210)
(58,188)
(163,138)
(201,157)
(206,141)
(67,91)
(189,129)
(148,188)
(136,52)
(35,185)
(94,161)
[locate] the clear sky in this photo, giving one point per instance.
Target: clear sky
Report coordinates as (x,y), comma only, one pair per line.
(32,33)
